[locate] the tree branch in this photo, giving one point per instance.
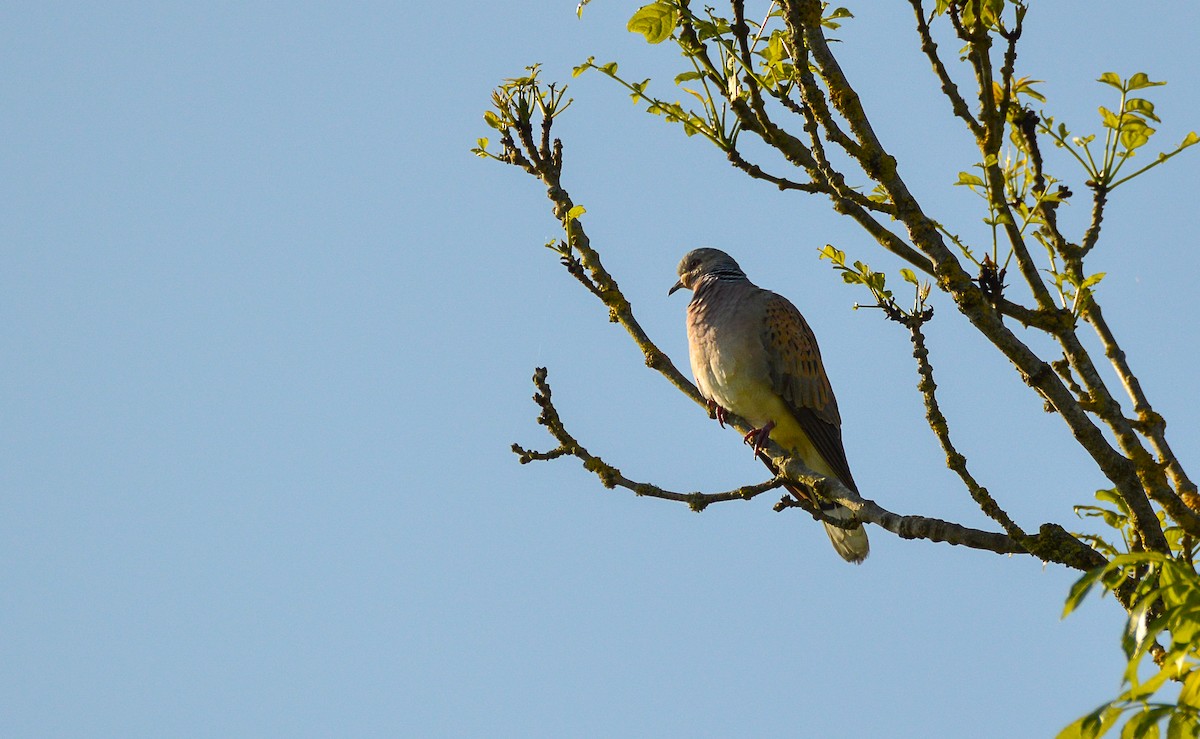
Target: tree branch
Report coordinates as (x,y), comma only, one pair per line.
(957,103)
(941,429)
(756,172)
(1181,506)
(547,166)
(1052,543)
(1092,235)
(1009,65)
(610,476)
(906,527)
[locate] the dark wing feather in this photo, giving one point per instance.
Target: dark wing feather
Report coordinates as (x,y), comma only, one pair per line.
(798,376)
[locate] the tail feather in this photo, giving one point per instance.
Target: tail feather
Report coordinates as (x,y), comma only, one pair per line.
(851,544)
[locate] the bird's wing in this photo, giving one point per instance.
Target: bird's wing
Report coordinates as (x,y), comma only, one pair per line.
(798,377)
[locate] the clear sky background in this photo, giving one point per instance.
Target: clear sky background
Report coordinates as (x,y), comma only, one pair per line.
(267,330)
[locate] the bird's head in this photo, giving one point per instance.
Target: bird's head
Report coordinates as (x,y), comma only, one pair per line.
(699,263)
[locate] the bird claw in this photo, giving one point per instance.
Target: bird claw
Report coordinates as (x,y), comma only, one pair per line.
(757,438)
(716,411)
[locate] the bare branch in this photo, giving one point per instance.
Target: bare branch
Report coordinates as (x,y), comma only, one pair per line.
(994,119)
(1010,62)
(1052,543)
(782,183)
(816,108)
(1025,121)
(1029,269)
(1092,235)
(1138,472)
(957,103)
(610,476)
(546,165)
(1049,542)
(941,429)
(1183,505)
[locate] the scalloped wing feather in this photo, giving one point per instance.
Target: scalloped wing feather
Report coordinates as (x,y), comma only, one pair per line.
(798,376)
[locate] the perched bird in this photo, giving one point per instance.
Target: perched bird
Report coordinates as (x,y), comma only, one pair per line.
(753,354)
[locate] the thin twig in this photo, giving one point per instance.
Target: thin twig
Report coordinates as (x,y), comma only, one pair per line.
(941,429)
(949,89)
(736,159)
(1092,235)
(610,476)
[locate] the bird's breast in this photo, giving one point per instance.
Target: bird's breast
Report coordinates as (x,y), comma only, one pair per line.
(729,364)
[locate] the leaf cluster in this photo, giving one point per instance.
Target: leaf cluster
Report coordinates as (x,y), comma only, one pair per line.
(859,273)
(1166,606)
(1127,129)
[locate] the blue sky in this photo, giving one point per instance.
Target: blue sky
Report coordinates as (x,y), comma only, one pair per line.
(267,335)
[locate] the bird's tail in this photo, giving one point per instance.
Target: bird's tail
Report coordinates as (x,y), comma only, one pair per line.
(850,543)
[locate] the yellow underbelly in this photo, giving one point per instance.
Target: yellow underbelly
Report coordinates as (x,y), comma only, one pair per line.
(787,432)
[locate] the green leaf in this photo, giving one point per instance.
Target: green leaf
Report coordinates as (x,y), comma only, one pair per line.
(1109,118)
(829,21)
(576,71)
(1134,137)
(1080,589)
(1141,107)
(609,69)
(1190,140)
(1190,695)
(493,120)
(1114,520)
(482,143)
(639,90)
(1024,86)
(656,22)
(909,276)
(970,180)
(1092,281)
(775,51)
(1140,80)
(1111,78)
(982,13)
(1092,725)
(1074,731)
(695,94)
(1142,725)
(1110,496)
(833,254)
(575,212)
(687,76)
(1183,725)
(1149,687)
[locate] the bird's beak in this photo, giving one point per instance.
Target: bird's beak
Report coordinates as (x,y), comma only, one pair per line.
(675,287)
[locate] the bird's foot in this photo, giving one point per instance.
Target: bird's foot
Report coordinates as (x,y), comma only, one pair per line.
(757,438)
(716,411)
